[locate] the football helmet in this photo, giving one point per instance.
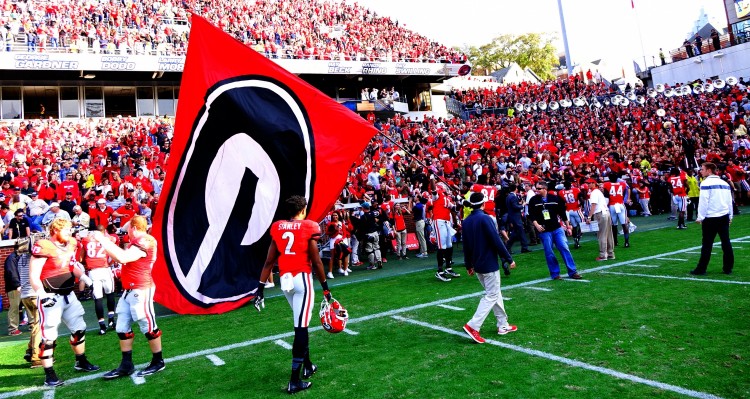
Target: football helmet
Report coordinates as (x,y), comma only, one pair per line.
(333,316)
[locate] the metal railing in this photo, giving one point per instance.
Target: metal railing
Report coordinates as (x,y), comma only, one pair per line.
(681,53)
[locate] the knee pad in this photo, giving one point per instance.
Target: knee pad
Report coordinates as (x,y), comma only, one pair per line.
(125,336)
(46,345)
(151,335)
(78,337)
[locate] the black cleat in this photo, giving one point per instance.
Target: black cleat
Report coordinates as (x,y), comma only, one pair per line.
(451,273)
(525,251)
(53,382)
(111,324)
(308,372)
(152,368)
(27,356)
(697,273)
(627,244)
(119,372)
(85,366)
(295,387)
(102,328)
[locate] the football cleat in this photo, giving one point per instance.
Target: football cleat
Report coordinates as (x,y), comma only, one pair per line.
(451,273)
(442,276)
(295,387)
(152,368)
(85,366)
(333,316)
(102,328)
(308,372)
(119,372)
(111,324)
(53,382)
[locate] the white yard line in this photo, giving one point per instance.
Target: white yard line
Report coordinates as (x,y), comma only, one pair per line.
(707,280)
(350,332)
(570,362)
(698,252)
(89,377)
(217,361)
(50,394)
(677,259)
(449,307)
(636,265)
(539,289)
(577,281)
(283,344)
(137,380)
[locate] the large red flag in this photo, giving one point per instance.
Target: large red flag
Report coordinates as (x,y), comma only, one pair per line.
(248,135)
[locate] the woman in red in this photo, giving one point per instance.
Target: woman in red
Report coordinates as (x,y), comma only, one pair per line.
(294,246)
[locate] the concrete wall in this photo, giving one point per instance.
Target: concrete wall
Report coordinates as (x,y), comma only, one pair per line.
(731,61)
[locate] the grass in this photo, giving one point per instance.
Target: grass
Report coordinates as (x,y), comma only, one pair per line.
(686,333)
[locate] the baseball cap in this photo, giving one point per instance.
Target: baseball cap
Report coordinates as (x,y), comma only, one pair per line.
(54,204)
(33,194)
(101,201)
(366,205)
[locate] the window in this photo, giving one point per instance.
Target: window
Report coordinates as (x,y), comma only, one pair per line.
(166,101)
(145,101)
(94,102)
(69,103)
(10,103)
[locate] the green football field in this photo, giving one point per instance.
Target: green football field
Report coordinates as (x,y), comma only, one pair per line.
(636,327)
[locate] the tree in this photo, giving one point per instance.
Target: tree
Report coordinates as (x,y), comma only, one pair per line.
(533,50)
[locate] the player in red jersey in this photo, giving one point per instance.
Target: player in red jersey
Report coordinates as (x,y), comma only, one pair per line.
(571,196)
(677,181)
(619,194)
(52,273)
(294,246)
(95,259)
(489,192)
(137,302)
(442,214)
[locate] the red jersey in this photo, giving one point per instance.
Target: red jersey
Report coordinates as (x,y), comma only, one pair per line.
(57,271)
(292,238)
(644,192)
(93,254)
(137,274)
(489,195)
(571,199)
(678,187)
(616,192)
(441,207)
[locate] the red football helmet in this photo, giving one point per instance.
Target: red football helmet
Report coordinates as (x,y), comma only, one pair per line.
(333,316)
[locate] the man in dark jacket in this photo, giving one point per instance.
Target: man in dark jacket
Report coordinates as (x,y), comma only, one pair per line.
(482,246)
(514,206)
(13,289)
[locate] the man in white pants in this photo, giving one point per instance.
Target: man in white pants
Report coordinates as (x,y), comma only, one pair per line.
(482,246)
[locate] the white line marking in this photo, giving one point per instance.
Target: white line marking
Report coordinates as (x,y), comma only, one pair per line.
(49,394)
(89,377)
(577,281)
(570,362)
(217,361)
(505,298)
(283,344)
(350,332)
(708,280)
(677,259)
(451,307)
(636,265)
(538,289)
(137,380)
(698,252)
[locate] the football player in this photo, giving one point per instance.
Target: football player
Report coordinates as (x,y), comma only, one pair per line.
(677,180)
(137,302)
(571,196)
(619,194)
(95,258)
(442,213)
(294,246)
(52,273)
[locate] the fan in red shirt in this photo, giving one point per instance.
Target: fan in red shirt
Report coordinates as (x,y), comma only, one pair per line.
(677,180)
(102,214)
(95,259)
(125,212)
(295,246)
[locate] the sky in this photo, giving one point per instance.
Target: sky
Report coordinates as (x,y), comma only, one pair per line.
(609,29)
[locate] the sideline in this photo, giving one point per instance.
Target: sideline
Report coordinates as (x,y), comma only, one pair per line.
(388,313)
(707,280)
(569,362)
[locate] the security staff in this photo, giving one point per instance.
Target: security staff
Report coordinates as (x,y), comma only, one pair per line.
(715,215)
(371,224)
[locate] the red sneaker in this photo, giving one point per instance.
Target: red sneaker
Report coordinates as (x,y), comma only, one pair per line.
(474,334)
(506,329)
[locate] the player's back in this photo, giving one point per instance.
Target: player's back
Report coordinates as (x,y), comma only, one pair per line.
(489,195)
(292,238)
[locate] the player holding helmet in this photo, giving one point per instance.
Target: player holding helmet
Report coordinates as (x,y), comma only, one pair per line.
(295,246)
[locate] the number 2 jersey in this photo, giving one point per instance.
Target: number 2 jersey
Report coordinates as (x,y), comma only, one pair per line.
(292,238)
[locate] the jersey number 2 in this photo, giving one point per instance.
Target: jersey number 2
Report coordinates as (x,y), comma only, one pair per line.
(288,236)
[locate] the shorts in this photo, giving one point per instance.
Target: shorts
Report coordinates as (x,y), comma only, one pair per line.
(136,305)
(59,308)
(104,281)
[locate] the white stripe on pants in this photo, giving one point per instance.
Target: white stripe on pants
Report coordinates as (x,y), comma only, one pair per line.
(301,298)
(492,300)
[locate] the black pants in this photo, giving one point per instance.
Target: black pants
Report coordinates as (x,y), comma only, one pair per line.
(711,227)
(692,208)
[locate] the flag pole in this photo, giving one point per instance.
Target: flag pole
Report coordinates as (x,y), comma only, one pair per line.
(640,34)
(568,61)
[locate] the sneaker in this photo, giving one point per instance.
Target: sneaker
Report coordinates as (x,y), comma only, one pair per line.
(576,276)
(612,257)
(85,366)
(474,334)
(152,368)
(346,272)
(371,267)
(384,260)
(102,328)
(118,372)
(358,264)
(442,276)
(111,322)
(600,259)
(506,329)
(627,244)
(269,285)
(558,277)
(53,382)
(307,373)
(405,257)
(329,275)
(727,272)
(15,332)
(697,273)
(27,355)
(341,271)
(451,273)
(380,264)
(295,387)
(24,323)
(681,227)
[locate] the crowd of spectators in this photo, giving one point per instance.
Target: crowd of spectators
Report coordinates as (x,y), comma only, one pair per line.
(299,29)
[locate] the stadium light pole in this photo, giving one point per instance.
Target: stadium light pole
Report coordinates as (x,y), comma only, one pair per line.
(568,61)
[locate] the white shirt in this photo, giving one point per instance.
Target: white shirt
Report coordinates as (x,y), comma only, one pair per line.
(715,200)
(37,207)
(596,197)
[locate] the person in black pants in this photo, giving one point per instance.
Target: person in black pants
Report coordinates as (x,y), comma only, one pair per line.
(514,206)
(715,215)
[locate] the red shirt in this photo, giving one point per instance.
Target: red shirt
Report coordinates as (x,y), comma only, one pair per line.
(292,238)
(644,192)
(101,217)
(126,214)
(137,274)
